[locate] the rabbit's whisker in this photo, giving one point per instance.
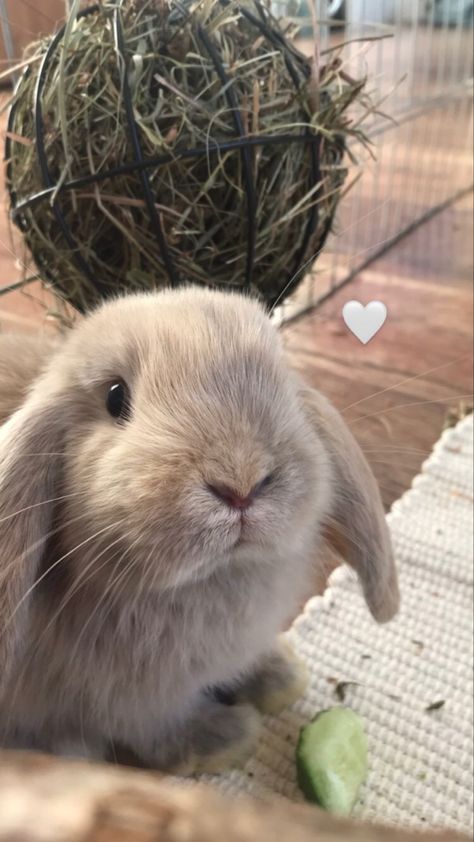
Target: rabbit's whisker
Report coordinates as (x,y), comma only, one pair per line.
(313,257)
(388,448)
(55,564)
(98,630)
(383,450)
(45,453)
(107,590)
(345,533)
(406,380)
(144,578)
(390,462)
(43,634)
(446,399)
(80,582)
(42,503)
(47,535)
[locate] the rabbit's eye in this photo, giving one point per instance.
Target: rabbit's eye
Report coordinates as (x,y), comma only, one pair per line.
(117,402)
(267,481)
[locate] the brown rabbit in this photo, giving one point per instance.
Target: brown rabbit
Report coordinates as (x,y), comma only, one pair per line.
(164,486)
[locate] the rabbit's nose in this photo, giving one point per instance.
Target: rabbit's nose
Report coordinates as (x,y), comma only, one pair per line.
(232,497)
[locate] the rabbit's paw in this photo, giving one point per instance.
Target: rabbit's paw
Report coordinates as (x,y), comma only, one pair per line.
(277,683)
(225,741)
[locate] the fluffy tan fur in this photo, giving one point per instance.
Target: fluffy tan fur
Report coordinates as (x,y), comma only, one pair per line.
(128,591)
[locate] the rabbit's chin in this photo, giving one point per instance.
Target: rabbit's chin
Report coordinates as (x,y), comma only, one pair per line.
(185,558)
(240,547)
(192,574)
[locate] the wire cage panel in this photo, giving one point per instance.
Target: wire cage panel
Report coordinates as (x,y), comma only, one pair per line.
(418,62)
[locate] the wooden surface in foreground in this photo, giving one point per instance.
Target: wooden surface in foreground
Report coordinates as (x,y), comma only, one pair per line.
(46,799)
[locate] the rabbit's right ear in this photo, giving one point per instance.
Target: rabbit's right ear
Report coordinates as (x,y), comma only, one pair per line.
(355,522)
(28,483)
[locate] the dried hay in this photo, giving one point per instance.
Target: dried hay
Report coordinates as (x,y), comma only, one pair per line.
(241,142)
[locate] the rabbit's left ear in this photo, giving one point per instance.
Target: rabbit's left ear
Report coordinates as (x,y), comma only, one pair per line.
(28,486)
(356,525)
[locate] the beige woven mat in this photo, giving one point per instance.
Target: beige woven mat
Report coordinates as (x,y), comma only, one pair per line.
(421,761)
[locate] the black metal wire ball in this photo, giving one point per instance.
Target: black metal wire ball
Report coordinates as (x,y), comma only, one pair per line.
(155,143)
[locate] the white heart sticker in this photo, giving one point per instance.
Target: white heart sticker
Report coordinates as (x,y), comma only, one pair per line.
(364,322)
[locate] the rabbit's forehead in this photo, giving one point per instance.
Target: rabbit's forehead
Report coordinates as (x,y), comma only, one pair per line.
(171,339)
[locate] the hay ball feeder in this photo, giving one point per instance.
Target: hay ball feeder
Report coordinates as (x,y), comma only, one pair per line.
(154,143)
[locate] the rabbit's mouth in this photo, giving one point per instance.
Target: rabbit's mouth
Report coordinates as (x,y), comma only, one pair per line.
(248,530)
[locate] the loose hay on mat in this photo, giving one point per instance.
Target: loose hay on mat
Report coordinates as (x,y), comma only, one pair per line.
(247,214)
